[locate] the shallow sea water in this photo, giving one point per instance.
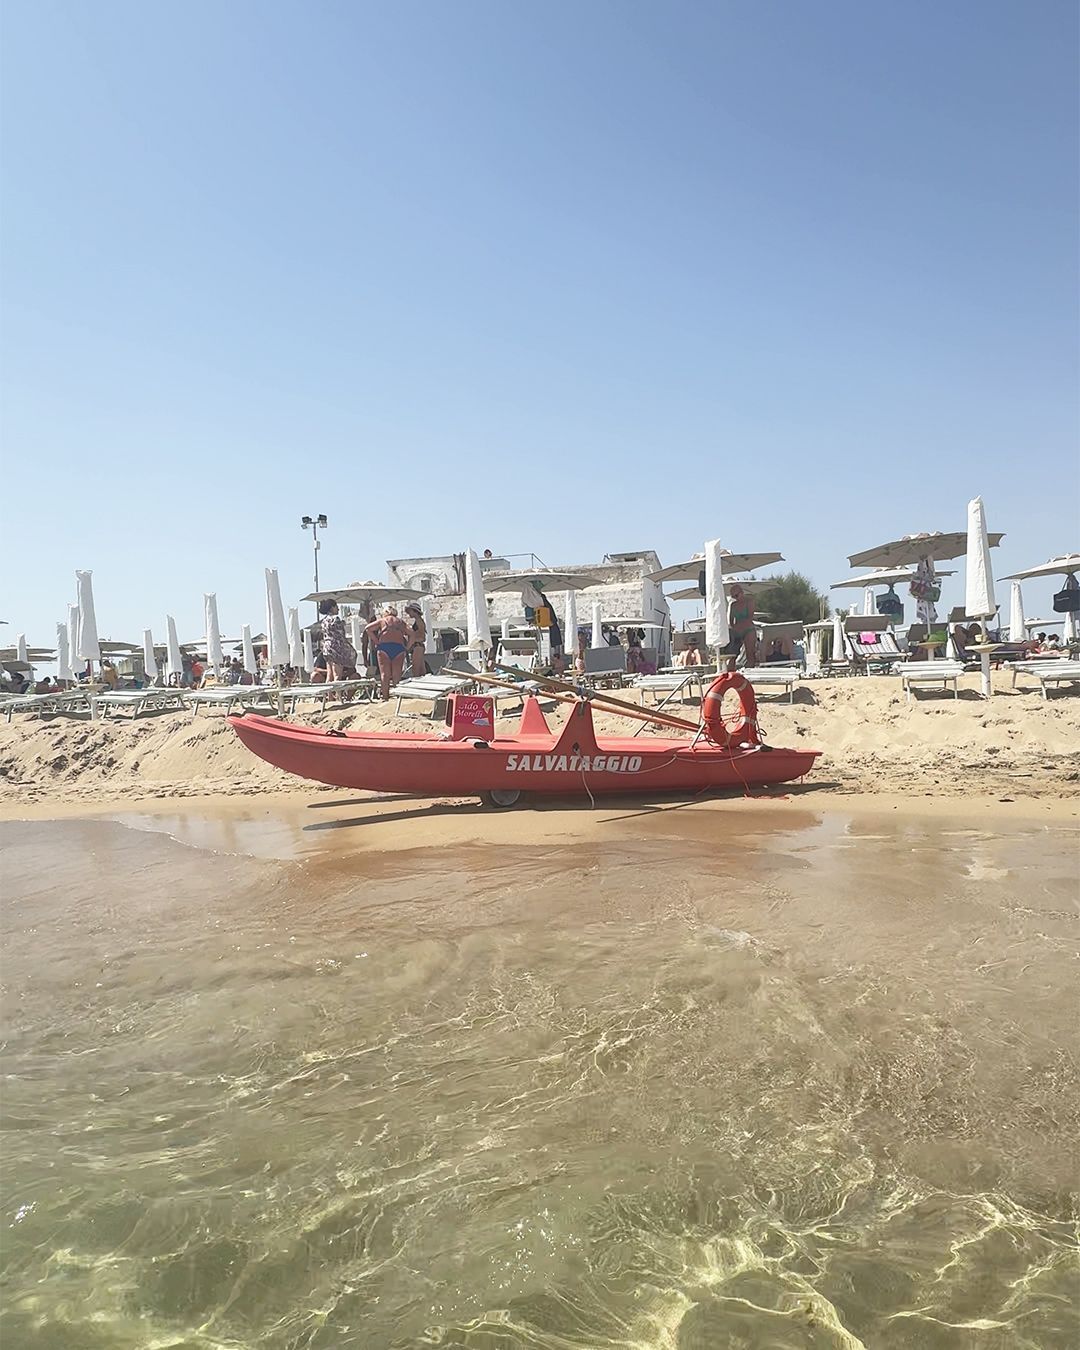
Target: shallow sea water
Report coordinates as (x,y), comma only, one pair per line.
(762,1080)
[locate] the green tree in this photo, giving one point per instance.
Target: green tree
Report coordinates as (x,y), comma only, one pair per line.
(792,597)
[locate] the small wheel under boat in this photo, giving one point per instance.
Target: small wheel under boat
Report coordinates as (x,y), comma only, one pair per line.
(503,797)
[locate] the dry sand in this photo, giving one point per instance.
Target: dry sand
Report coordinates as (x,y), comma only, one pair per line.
(1016,746)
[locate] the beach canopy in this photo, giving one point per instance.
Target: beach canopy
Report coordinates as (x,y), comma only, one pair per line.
(913,549)
(478,626)
(88,638)
(538,581)
(429,629)
(278,633)
(150,664)
(751,585)
(716,616)
(1016,613)
(1061,566)
(979,598)
(880,576)
(63,657)
(214,654)
(251,666)
(363,592)
(731,562)
(174,661)
(296,642)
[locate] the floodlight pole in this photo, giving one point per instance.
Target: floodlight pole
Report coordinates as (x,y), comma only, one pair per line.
(315,524)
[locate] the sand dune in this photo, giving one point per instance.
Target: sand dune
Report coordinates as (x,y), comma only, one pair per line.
(1015,745)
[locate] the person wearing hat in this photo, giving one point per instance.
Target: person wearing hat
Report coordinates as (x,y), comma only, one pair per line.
(417,638)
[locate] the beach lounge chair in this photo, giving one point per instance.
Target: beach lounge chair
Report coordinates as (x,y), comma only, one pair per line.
(871,643)
(931,672)
(773,677)
(64,700)
(431,689)
(1048,672)
(343,691)
(135,701)
(230,697)
(670,684)
(605,667)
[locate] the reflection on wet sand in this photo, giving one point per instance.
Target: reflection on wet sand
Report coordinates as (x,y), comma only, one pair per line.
(698,1081)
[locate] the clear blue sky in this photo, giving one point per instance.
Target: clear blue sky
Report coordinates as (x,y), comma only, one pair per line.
(569,277)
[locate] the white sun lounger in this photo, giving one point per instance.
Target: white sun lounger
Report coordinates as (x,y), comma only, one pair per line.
(64,700)
(135,701)
(231,696)
(1048,672)
(783,677)
(669,684)
(344,690)
(431,689)
(931,672)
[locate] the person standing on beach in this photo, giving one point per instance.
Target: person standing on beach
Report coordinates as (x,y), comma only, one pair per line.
(335,645)
(742,627)
(417,638)
(391,638)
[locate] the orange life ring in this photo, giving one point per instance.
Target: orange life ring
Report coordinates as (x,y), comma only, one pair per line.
(745,731)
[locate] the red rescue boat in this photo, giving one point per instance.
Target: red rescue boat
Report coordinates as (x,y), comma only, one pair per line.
(535,759)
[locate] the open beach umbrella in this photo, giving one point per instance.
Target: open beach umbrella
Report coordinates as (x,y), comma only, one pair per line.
(537,581)
(1064,565)
(363,592)
(308,653)
(920,551)
(296,642)
(88,649)
(214,654)
(429,626)
(597,627)
(731,562)
(174,660)
(478,627)
(149,655)
(251,666)
(979,592)
(716,616)
(1016,614)
(63,657)
(277,634)
(356,635)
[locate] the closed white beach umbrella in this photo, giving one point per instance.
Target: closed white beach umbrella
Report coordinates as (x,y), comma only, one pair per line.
(478,627)
(979,599)
(174,661)
(63,657)
(716,620)
(868,600)
(20,649)
(1016,614)
(356,635)
(214,654)
(149,656)
(597,626)
(813,656)
(296,642)
(88,649)
(73,634)
(429,627)
(570,634)
(251,666)
(838,652)
(308,652)
(277,634)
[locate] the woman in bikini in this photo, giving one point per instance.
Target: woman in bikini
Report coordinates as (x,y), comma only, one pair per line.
(391,637)
(417,639)
(741,627)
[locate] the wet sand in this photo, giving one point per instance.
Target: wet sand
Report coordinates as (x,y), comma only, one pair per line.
(728,1073)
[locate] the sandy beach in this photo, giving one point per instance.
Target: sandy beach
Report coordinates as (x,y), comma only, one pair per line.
(1017,747)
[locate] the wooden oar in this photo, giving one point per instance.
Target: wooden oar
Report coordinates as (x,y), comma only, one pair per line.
(625,709)
(611,703)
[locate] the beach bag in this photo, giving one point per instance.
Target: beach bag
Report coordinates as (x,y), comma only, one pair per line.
(890,603)
(1067,601)
(543,616)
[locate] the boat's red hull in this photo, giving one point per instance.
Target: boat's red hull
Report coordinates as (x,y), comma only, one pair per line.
(571,761)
